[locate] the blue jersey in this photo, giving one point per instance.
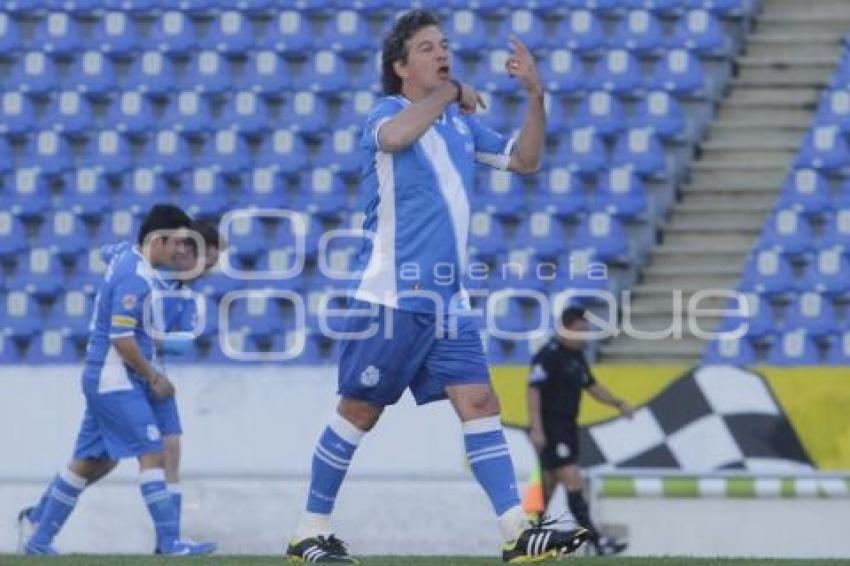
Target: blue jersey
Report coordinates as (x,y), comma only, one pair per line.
(119,311)
(418,210)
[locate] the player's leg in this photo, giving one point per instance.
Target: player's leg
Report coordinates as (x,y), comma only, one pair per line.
(171,462)
(571,478)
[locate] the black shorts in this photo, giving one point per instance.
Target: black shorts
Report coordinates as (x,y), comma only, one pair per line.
(561,448)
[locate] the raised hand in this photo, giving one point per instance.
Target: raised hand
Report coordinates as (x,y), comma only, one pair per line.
(521,66)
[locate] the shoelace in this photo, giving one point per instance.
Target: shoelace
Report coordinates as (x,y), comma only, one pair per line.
(334,545)
(545,521)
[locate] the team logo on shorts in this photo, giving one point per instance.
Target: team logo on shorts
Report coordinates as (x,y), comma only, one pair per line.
(128,301)
(562,450)
(370,377)
(153,433)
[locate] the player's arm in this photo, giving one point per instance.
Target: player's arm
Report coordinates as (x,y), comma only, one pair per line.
(535,407)
(604,395)
(528,148)
(131,355)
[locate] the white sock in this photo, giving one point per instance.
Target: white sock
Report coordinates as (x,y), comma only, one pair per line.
(313,525)
(512,522)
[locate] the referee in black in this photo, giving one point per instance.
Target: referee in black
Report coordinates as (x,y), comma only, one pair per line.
(559,373)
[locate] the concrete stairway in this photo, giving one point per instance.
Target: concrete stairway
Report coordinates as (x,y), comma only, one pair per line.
(790,56)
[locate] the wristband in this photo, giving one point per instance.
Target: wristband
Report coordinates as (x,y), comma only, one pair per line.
(459,88)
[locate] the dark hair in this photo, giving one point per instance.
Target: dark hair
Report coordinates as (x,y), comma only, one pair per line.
(395,45)
(570,315)
(208,233)
(163,217)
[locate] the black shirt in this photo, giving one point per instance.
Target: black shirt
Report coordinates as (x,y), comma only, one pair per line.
(560,375)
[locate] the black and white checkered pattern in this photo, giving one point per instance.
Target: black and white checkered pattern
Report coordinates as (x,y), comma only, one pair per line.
(712,418)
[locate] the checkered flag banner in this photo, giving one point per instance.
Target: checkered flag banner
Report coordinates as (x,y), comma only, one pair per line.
(712,418)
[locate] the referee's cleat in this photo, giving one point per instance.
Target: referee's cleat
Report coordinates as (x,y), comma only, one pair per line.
(188,548)
(26,528)
(328,549)
(538,544)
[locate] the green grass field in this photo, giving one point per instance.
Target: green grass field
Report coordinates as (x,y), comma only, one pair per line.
(83,560)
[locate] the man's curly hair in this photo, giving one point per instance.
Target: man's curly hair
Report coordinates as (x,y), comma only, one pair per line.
(395,45)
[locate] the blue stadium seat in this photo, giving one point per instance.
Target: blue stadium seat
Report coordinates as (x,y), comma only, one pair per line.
(143,187)
(246,113)
(606,236)
(66,235)
(229,32)
(167,152)
(173,32)
(115,33)
(726,8)
(69,112)
(39,273)
(17,113)
(836,232)
(284,151)
(581,31)
(341,152)
(663,114)
(118,226)
(131,113)
(204,193)
(266,73)
(601,6)
(813,313)
(7,157)
(700,32)
(640,150)
(492,73)
(208,72)
(29,190)
(495,113)
(226,152)
(305,112)
(33,72)
(543,233)
(639,31)
(466,32)
(603,112)
(135,5)
(839,350)
(517,269)
(824,148)
(787,232)
(730,351)
(110,152)
(356,106)
(19,316)
(325,72)
(51,347)
(289,33)
(258,313)
(323,193)
(794,349)
(618,72)
(86,193)
(760,320)
(57,34)
(92,73)
(152,73)
(583,272)
(621,194)
(806,192)
(583,152)
(72,312)
(768,273)
(680,73)
(526,26)
(561,193)
(10,35)
(834,109)
(265,188)
(247,238)
(13,237)
(827,273)
(486,235)
(348,33)
(563,71)
(500,193)
(188,113)
(48,151)
(9,351)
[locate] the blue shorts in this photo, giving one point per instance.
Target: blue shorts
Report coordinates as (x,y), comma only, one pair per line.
(167,416)
(409,354)
(117,424)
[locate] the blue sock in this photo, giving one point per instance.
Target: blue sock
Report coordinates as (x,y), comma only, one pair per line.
(160,506)
(490,459)
(37,512)
(330,463)
(61,499)
(177,499)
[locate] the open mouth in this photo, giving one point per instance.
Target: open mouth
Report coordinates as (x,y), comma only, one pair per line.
(443,71)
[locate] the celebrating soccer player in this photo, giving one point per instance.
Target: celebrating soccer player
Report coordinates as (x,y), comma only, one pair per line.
(423,141)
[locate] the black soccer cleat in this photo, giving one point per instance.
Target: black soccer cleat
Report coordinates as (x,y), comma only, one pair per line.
(609,546)
(538,544)
(320,549)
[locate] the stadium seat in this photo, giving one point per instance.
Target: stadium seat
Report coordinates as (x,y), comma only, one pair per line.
(827,273)
(120,225)
(188,113)
(581,271)
(834,109)
(29,192)
(700,32)
(805,191)
(348,34)
(10,353)
(323,193)
(769,274)
(226,152)
(284,151)
(230,32)
(110,152)
(173,32)
(725,8)
(500,193)
(325,73)
(260,314)
(517,269)
(582,151)
(355,107)
(787,232)
(621,194)
(246,238)
(7,157)
(69,113)
(466,32)
(680,73)
(93,74)
(486,235)
(760,321)
(661,113)
(204,193)
(19,316)
(166,152)
(17,113)
(72,312)
(493,75)
(824,148)
(152,73)
(543,233)
(10,35)
(730,351)
(813,313)
(33,72)
(86,193)
(131,113)
(51,347)
(794,349)
(266,73)
(245,113)
(264,188)
(581,31)
(639,32)
(57,34)
(115,33)
(341,152)
(13,237)
(618,72)
(639,150)
(603,112)
(560,192)
(836,232)
(208,72)
(66,235)
(839,350)
(605,236)
(143,187)
(39,274)
(563,71)
(49,152)
(524,25)
(288,33)
(305,112)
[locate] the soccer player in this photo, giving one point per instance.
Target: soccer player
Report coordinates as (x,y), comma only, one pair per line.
(558,376)
(120,384)
(422,142)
